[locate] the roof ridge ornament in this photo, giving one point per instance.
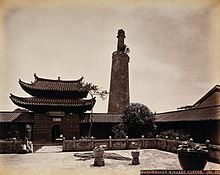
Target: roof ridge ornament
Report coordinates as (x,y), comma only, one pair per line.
(81,78)
(35,76)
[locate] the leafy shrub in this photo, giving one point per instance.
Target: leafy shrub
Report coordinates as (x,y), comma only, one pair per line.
(119,131)
(172,134)
(137,120)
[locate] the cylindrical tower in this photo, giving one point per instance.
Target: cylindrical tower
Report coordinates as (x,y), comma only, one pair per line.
(119,85)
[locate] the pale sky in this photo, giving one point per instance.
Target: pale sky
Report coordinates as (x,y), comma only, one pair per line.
(173,59)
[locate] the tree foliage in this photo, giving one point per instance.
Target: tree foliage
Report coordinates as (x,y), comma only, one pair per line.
(95,90)
(137,120)
(119,131)
(173,134)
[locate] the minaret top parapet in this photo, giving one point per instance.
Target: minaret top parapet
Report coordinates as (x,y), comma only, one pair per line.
(121,36)
(121,33)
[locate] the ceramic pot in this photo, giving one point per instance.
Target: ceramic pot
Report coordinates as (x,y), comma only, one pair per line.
(192,160)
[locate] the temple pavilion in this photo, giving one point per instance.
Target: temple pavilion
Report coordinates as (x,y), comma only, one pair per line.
(57,106)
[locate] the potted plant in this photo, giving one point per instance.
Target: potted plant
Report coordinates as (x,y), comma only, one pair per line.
(99,155)
(135,154)
(192,156)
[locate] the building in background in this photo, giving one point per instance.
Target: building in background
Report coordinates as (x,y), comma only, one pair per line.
(201,120)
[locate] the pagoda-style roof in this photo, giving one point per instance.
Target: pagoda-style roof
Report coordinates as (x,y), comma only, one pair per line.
(53,104)
(43,87)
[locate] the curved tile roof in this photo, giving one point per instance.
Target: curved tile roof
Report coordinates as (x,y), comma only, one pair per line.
(61,103)
(54,90)
(54,85)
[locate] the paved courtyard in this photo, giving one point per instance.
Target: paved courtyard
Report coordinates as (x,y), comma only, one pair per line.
(50,160)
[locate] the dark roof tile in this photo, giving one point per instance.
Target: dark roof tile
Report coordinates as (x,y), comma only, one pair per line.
(54,85)
(53,104)
(26,117)
(208,94)
(51,101)
(101,118)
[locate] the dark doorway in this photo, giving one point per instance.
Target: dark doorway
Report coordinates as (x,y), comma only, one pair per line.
(56,133)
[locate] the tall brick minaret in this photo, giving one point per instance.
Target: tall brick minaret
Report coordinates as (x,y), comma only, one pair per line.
(119,85)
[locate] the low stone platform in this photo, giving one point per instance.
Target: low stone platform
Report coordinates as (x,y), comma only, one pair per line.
(50,160)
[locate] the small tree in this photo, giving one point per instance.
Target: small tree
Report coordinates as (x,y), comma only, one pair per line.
(94,90)
(137,120)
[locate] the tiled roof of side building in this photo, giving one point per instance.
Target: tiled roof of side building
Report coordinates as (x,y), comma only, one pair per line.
(25,117)
(211,113)
(209,93)
(194,114)
(101,118)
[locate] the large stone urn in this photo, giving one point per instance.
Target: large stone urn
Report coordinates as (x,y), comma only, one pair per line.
(135,157)
(99,157)
(192,160)
(192,156)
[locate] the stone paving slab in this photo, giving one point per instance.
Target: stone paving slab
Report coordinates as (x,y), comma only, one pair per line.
(50,149)
(50,160)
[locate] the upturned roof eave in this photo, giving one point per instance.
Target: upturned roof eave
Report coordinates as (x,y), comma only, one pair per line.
(24,103)
(33,90)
